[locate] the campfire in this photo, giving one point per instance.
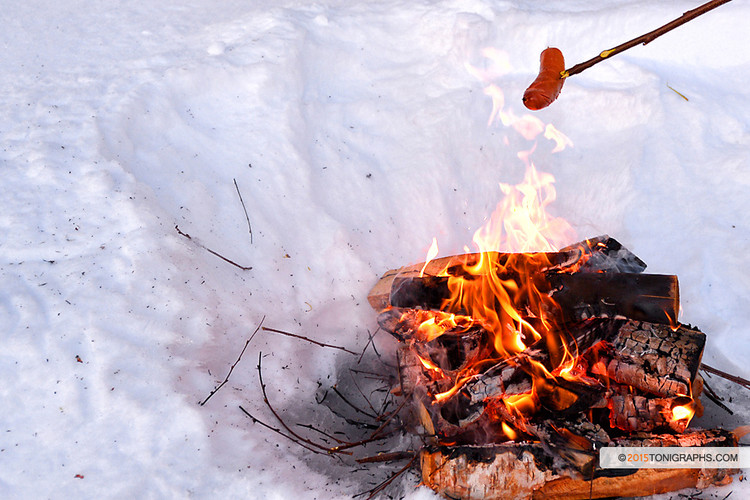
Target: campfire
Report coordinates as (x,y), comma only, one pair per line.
(520,366)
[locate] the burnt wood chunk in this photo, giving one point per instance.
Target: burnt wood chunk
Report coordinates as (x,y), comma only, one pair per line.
(652,358)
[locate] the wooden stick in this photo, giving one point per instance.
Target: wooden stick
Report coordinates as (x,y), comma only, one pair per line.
(284,425)
(321,344)
(231,368)
(732,378)
(249,227)
(279,432)
(217,254)
(644,39)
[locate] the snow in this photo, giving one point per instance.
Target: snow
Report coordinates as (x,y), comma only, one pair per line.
(355,132)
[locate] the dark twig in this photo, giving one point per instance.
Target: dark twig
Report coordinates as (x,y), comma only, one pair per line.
(386,457)
(715,398)
(337,449)
(648,37)
(279,432)
(383,485)
(323,433)
(369,341)
(204,247)
(249,228)
(732,378)
(352,405)
(377,433)
(354,381)
(231,368)
(321,344)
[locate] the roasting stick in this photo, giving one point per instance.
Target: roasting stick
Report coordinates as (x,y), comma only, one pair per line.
(545,89)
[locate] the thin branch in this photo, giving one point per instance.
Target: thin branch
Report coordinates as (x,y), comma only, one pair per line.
(279,432)
(204,247)
(387,457)
(369,341)
(380,487)
(376,434)
(249,227)
(352,405)
(231,368)
(732,378)
(354,381)
(321,344)
(323,433)
(337,449)
(644,39)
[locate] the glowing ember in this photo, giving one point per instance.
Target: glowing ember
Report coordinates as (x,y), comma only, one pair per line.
(684,412)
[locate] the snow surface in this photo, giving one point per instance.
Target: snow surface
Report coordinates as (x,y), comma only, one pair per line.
(355,131)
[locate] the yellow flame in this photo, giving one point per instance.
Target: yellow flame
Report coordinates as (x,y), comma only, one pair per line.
(509,432)
(431,254)
(682,412)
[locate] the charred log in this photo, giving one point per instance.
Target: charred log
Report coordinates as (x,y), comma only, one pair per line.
(601,254)
(652,358)
(641,297)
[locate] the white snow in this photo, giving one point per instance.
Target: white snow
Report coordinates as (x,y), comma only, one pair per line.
(356,133)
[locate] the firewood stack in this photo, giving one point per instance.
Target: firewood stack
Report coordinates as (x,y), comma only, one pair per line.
(509,412)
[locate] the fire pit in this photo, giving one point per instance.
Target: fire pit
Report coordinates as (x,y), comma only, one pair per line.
(520,367)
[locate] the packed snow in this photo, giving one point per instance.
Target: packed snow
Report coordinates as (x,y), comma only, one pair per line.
(354,132)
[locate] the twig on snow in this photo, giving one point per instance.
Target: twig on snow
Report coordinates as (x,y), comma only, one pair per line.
(380,487)
(212,252)
(249,227)
(336,449)
(231,368)
(732,378)
(280,432)
(301,337)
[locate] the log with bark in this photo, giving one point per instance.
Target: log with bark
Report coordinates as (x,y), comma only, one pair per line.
(528,471)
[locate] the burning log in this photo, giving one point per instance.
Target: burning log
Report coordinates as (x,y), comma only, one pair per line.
(579,296)
(600,254)
(520,366)
(527,471)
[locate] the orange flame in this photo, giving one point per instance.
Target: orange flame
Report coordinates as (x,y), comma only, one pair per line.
(432,367)
(683,412)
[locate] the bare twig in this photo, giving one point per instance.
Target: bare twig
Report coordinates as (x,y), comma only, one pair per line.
(204,247)
(644,39)
(352,405)
(732,378)
(387,457)
(377,433)
(354,381)
(369,341)
(337,449)
(279,432)
(715,398)
(249,227)
(321,344)
(323,433)
(231,368)
(383,485)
